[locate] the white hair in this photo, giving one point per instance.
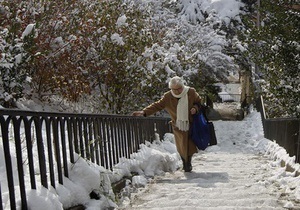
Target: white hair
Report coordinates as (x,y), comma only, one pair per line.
(176,81)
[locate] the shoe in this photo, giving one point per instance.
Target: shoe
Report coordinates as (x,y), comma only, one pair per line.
(187,165)
(183,164)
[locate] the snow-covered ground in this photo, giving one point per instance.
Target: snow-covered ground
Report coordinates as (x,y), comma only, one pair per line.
(242,172)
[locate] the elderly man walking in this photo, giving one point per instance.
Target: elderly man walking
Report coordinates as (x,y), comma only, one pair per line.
(181,102)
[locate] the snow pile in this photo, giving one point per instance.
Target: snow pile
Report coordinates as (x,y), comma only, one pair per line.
(287,175)
(152,159)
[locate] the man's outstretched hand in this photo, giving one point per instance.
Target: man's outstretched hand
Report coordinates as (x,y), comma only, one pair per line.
(138,113)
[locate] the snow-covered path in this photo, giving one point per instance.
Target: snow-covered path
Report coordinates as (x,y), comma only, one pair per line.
(235,174)
(218,181)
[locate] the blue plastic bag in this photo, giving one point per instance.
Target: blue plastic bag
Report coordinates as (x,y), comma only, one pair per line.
(200,131)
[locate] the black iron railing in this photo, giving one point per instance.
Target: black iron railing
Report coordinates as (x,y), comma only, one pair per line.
(285,131)
(39,145)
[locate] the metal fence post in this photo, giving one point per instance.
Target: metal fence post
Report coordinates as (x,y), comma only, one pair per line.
(298,146)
